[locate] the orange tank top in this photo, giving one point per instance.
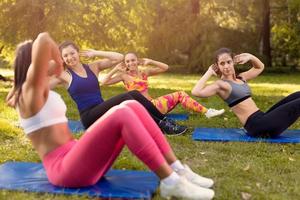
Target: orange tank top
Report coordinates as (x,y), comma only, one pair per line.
(139,84)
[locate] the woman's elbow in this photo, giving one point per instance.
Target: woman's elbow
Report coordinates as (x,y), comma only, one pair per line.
(166,68)
(120,58)
(195,92)
(44,36)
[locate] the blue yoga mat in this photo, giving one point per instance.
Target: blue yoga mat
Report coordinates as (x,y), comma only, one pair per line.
(76,126)
(239,135)
(31,177)
(179,117)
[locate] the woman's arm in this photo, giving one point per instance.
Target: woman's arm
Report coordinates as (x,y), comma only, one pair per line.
(46,60)
(115,75)
(64,79)
(257,65)
(110,58)
(203,90)
(157,67)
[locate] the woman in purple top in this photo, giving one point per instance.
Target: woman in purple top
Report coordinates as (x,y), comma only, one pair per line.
(81,80)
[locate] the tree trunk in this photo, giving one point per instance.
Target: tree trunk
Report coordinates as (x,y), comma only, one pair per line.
(160,12)
(266,29)
(195,7)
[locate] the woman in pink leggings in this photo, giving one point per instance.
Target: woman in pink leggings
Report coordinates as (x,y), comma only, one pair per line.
(76,163)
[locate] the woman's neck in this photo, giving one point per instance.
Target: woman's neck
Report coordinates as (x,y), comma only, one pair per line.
(133,72)
(77,68)
(228,78)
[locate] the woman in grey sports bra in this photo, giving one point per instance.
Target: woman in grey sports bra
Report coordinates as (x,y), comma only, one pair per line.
(235,91)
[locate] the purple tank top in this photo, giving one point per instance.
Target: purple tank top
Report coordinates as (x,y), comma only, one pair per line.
(85,91)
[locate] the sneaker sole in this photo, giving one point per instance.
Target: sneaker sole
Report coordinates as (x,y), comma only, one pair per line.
(177,134)
(215,115)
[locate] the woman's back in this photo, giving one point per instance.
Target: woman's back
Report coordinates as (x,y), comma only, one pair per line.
(35,104)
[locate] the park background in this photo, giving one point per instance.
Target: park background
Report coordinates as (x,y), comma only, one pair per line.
(183,34)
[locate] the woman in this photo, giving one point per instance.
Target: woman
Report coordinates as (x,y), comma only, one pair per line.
(78,163)
(81,81)
(235,91)
(136,79)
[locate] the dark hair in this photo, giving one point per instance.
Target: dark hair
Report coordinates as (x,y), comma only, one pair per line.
(21,65)
(222,51)
(131,52)
(66,44)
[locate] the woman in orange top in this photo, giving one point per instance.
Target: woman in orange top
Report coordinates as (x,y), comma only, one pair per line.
(135,79)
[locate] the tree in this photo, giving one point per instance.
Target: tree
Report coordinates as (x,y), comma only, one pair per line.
(266,30)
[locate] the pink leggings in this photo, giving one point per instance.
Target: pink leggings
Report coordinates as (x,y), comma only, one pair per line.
(84,162)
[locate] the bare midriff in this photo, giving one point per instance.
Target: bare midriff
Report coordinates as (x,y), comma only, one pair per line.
(244,109)
(49,138)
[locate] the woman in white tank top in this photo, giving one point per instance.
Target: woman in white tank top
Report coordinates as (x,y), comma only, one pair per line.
(76,163)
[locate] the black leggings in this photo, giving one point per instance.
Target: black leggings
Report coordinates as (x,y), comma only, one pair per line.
(277,119)
(90,115)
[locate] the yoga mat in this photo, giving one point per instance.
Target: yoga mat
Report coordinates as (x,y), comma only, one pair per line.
(239,135)
(31,177)
(76,126)
(179,117)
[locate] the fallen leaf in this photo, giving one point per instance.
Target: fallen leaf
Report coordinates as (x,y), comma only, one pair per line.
(291,159)
(258,185)
(246,196)
(246,168)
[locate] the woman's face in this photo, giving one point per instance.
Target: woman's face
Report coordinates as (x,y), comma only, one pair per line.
(131,61)
(70,56)
(226,64)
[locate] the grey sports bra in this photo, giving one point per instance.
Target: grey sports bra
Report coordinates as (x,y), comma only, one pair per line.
(239,93)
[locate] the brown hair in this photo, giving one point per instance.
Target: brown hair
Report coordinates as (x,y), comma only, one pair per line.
(131,52)
(21,65)
(222,51)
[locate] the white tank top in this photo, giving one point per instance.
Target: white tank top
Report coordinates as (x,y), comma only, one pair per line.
(52,112)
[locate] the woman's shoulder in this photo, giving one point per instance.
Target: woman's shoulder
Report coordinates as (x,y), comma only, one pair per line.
(222,84)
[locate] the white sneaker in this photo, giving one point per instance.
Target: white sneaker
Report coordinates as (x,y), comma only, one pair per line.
(186,190)
(195,178)
(213,112)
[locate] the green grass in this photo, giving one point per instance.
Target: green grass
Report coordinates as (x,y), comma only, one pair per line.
(261,170)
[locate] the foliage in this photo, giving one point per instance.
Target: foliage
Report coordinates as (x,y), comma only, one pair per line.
(286,32)
(181,32)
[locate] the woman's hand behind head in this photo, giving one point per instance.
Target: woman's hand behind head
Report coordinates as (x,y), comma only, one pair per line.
(121,67)
(242,58)
(55,68)
(215,70)
(89,53)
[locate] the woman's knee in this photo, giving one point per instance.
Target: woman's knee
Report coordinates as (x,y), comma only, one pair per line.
(134,93)
(119,111)
(183,93)
(297,94)
(135,106)
(130,103)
